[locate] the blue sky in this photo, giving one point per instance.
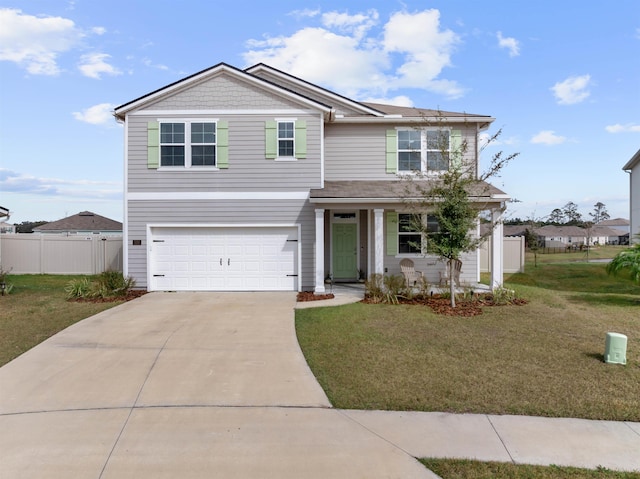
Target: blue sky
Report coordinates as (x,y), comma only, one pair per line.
(561,78)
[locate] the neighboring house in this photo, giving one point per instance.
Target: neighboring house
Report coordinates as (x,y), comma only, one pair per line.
(4,214)
(559,236)
(84,222)
(633,168)
(619,224)
(601,235)
(257,180)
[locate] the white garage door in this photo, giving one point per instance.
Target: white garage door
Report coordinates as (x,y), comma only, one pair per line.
(223,259)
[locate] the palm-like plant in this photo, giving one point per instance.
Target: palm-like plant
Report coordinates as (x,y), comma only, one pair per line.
(627,260)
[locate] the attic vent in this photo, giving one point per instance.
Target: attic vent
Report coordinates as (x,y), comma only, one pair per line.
(86,213)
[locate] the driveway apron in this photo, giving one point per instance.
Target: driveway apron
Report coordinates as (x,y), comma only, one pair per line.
(186,385)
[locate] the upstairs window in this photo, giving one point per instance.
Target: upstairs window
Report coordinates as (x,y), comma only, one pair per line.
(172,145)
(286,139)
(423,150)
(203,144)
(188,144)
(438,148)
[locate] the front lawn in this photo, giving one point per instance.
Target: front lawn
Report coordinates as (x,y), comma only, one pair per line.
(465,469)
(37,309)
(544,358)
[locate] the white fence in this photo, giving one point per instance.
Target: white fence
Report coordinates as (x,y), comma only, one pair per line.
(53,254)
(512,256)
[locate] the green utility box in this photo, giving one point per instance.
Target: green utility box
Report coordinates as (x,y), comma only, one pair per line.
(615,349)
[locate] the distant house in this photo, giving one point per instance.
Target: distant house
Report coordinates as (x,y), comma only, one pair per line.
(600,235)
(562,236)
(633,168)
(84,222)
(619,224)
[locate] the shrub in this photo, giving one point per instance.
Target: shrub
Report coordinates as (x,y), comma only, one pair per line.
(4,274)
(374,288)
(78,288)
(108,284)
(394,287)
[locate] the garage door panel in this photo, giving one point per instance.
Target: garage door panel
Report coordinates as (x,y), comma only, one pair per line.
(253,258)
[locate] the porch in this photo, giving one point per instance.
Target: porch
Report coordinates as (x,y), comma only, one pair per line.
(356,234)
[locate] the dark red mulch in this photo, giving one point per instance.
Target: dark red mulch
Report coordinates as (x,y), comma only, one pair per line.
(131,294)
(311,296)
(464,307)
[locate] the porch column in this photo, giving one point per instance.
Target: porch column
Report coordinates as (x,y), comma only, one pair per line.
(496,249)
(378,259)
(319,281)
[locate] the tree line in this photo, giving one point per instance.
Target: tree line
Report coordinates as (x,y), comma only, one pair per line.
(568,215)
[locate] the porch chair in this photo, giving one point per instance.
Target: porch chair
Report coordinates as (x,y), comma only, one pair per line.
(444,275)
(411,276)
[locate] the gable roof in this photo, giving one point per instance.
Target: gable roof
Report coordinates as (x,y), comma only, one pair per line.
(122,110)
(366,109)
(4,212)
(84,221)
(309,94)
(551,230)
(635,159)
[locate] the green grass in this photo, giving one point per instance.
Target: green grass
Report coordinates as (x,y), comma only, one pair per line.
(37,309)
(594,253)
(541,359)
(466,469)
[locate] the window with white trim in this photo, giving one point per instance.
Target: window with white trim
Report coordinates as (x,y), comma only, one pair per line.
(187,144)
(411,228)
(425,150)
(286,139)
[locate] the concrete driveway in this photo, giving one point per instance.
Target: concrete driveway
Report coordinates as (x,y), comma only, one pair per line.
(187,385)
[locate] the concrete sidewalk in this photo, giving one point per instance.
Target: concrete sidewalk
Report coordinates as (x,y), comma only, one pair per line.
(197,385)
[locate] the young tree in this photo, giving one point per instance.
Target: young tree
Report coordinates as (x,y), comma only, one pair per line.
(448,199)
(556,216)
(627,260)
(599,213)
(532,239)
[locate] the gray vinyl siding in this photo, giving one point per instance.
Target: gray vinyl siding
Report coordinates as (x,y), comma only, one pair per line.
(248,170)
(432,265)
(358,152)
(240,212)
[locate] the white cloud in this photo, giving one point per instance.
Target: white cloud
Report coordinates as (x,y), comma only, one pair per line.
(35,42)
(548,137)
(618,128)
(400,100)
(147,62)
(572,90)
(510,44)
(99,30)
(14,182)
(93,65)
(358,57)
(101,114)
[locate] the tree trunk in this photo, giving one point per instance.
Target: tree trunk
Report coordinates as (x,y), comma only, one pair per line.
(452,284)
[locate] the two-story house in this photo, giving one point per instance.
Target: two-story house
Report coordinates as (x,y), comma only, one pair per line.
(257,180)
(633,168)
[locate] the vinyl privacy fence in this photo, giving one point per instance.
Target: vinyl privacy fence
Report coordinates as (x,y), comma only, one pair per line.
(53,254)
(512,257)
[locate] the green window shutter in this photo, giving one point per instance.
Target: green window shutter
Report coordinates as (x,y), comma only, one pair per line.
(392,233)
(301,139)
(456,148)
(271,139)
(222,139)
(153,144)
(392,152)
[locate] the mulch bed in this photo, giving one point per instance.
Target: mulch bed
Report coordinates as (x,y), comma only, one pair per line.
(131,294)
(464,307)
(311,296)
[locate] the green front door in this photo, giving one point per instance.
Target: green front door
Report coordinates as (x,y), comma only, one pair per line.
(345,252)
